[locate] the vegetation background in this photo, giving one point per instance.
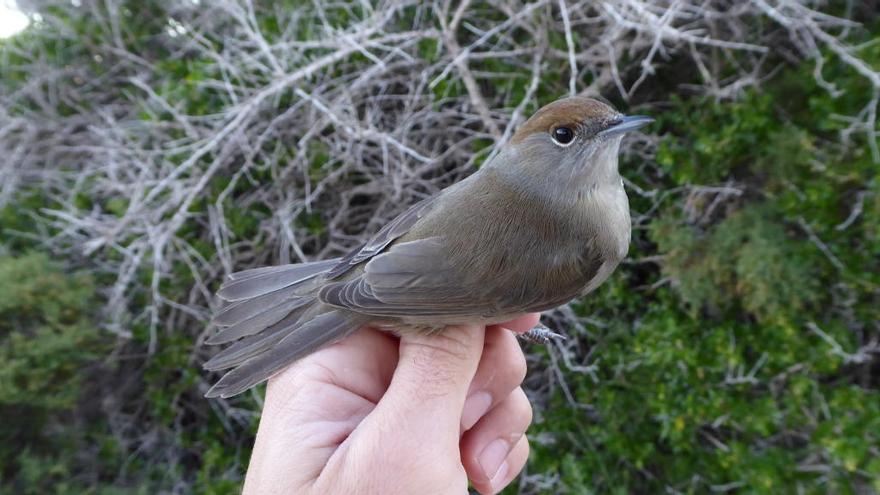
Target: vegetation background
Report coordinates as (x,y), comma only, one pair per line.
(151,147)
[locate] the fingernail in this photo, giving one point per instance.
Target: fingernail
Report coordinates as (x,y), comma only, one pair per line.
(475,407)
(497,481)
(492,460)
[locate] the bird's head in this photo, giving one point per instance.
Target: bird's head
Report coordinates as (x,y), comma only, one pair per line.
(573,141)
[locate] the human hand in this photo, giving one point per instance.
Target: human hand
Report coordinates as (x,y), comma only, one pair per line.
(374,414)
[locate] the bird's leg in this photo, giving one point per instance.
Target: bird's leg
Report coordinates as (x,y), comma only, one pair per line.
(541,335)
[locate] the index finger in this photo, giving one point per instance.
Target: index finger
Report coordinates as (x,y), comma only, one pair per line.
(523,323)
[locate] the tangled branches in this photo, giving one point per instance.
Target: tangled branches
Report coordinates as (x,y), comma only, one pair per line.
(214,136)
(352,110)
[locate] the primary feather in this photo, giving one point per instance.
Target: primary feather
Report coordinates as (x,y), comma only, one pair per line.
(266,281)
(310,336)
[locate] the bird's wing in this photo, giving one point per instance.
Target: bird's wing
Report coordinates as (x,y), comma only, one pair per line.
(408,269)
(412,278)
(391,231)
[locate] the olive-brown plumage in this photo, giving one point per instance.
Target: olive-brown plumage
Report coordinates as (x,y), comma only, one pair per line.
(543,222)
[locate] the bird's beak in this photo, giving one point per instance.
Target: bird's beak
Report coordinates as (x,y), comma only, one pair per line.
(625,124)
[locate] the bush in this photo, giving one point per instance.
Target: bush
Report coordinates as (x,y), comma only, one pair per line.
(49,349)
(748,362)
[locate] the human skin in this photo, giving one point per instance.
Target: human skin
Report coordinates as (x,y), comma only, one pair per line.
(377,414)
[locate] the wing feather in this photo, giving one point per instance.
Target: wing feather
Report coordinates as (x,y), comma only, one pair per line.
(411,278)
(301,341)
(258,321)
(388,234)
(271,279)
(255,344)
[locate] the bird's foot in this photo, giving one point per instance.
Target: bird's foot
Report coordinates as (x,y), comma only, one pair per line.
(541,335)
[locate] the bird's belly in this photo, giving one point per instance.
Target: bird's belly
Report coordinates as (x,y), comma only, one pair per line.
(430,324)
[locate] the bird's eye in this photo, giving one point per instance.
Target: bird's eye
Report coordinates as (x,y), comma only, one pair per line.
(563,135)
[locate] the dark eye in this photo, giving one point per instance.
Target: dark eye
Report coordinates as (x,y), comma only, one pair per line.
(562,135)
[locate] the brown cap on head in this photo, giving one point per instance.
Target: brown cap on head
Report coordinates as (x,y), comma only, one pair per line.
(567,112)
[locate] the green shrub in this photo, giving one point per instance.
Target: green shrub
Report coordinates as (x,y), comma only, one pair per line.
(49,348)
(734,364)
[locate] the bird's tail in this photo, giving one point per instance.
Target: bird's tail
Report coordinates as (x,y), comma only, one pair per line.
(276,319)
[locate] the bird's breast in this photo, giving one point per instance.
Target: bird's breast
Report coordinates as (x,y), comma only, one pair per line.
(539,252)
(606,209)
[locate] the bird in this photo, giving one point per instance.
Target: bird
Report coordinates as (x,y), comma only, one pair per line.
(544,221)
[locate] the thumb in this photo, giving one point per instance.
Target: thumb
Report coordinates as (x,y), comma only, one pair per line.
(430,385)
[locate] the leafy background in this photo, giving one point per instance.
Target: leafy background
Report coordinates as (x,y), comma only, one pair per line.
(149,148)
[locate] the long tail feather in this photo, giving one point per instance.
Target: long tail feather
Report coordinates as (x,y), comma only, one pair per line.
(252,272)
(253,345)
(301,341)
(248,308)
(261,297)
(271,280)
(273,320)
(259,322)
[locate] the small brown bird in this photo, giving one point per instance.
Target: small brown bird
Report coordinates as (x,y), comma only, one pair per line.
(545,221)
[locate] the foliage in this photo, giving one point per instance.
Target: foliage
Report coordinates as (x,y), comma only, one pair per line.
(751,363)
(48,352)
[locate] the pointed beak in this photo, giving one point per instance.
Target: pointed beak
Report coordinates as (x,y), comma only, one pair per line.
(625,124)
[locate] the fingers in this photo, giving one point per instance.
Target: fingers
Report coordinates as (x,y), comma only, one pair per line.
(515,463)
(495,450)
(424,401)
(523,323)
(501,370)
(313,405)
(338,385)
(362,363)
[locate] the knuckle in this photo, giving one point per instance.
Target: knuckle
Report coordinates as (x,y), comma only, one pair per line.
(512,362)
(439,362)
(434,375)
(518,365)
(522,408)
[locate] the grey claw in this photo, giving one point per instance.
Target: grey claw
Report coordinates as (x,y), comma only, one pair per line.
(541,335)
